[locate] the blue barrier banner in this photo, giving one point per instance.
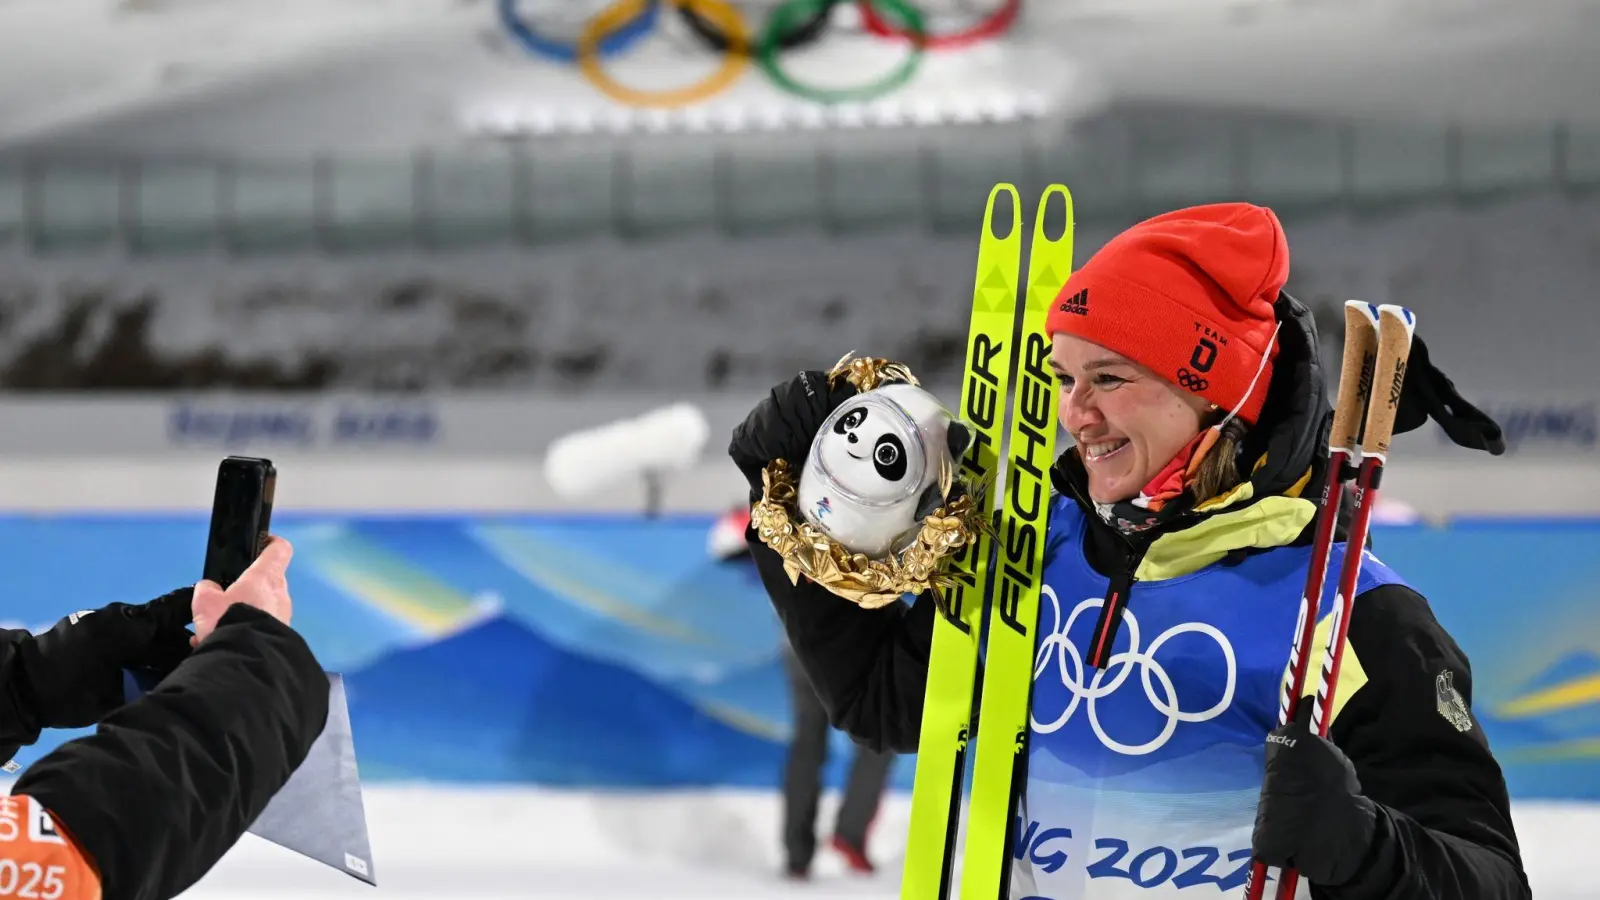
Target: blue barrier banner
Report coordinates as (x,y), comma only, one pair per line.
(603,651)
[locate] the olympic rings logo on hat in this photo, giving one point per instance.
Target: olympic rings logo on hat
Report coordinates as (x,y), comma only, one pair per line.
(722,28)
(1159,688)
(1192,381)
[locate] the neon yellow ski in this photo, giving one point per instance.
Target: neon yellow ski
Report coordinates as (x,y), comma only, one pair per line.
(953,659)
(1014,609)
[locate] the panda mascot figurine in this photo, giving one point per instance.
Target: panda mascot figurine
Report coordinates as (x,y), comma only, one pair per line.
(882,462)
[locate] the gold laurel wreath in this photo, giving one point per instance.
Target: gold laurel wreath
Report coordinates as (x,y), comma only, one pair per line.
(869,583)
(868,373)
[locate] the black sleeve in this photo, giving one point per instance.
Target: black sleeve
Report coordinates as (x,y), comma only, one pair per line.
(1444,825)
(70,676)
(171,781)
(19,726)
(869,667)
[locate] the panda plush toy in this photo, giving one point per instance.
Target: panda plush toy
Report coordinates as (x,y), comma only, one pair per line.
(880,464)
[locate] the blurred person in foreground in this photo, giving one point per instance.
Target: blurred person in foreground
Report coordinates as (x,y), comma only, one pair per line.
(808,751)
(146,805)
(1183,498)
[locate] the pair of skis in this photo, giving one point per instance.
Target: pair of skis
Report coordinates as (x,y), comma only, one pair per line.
(1377,345)
(999,608)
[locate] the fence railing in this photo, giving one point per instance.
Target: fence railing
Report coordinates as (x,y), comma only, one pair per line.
(933,179)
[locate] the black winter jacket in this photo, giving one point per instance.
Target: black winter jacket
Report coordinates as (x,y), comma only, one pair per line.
(169,782)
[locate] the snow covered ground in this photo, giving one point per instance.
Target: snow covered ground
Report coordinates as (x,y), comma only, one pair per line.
(524,843)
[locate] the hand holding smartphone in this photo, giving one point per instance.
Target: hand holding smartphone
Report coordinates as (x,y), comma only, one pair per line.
(319,813)
(241,517)
(240,535)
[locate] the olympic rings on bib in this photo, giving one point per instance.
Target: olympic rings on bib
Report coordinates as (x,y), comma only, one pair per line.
(997,24)
(1159,689)
(719,12)
(628,32)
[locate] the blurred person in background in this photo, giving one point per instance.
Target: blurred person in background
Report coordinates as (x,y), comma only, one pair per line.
(146,805)
(808,751)
(1181,498)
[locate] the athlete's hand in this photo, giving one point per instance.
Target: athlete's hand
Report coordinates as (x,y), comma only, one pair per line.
(783,425)
(264,585)
(1313,815)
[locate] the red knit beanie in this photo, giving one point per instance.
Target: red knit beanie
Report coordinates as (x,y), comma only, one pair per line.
(1188,294)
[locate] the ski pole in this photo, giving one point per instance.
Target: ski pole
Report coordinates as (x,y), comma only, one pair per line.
(1396,325)
(1355,383)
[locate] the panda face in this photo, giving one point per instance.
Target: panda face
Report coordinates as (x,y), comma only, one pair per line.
(865,452)
(887,453)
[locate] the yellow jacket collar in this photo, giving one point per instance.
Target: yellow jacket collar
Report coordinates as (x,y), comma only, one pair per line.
(1266,523)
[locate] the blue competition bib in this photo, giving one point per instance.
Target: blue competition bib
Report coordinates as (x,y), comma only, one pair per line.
(1143,776)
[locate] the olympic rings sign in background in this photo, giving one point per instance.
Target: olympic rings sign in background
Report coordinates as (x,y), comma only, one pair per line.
(722,29)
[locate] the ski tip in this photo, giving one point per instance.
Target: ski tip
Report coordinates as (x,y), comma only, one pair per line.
(1054,190)
(1003,189)
(1405,316)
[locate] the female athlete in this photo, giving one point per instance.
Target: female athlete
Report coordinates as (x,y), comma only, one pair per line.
(1148,777)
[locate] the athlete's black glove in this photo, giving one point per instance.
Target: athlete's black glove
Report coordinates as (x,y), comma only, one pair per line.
(72,675)
(783,425)
(1313,815)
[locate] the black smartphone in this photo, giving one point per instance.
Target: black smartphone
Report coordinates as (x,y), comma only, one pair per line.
(241,517)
